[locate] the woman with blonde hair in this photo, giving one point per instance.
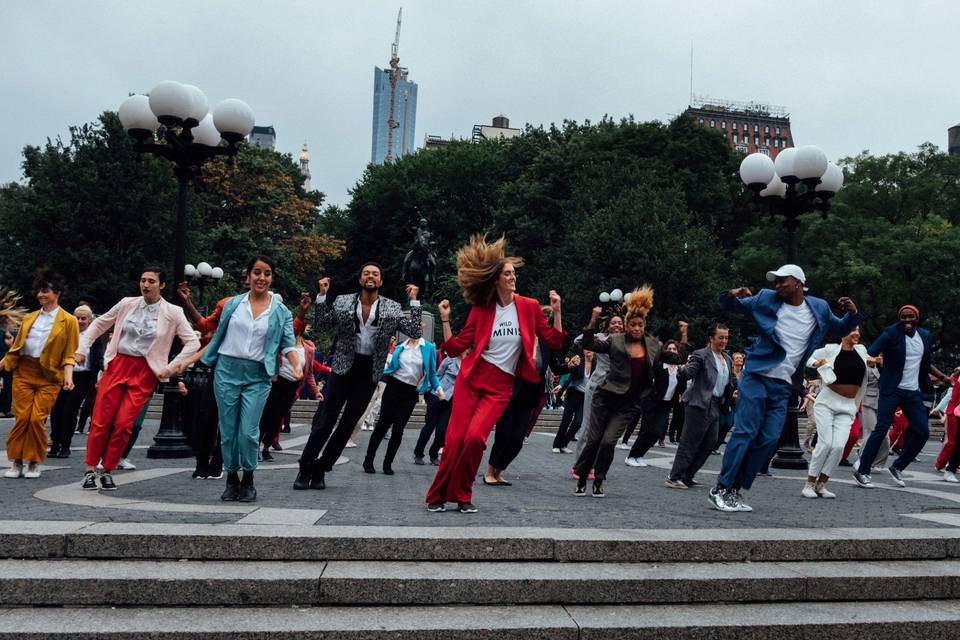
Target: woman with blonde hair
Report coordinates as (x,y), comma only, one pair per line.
(501,330)
(633,357)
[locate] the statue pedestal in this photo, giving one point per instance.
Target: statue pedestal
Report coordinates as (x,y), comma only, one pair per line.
(429,325)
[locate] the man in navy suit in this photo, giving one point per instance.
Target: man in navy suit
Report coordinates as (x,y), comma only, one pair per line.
(903,349)
(791,325)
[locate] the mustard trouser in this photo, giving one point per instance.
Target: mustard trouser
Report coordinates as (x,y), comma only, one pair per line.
(33,398)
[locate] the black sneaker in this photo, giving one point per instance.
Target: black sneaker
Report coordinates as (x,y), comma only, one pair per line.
(597,489)
(89,481)
(277,447)
(106,482)
(580,489)
(368,467)
(387,469)
(215,473)
(846,463)
(266,456)
(466,507)
(897,476)
(418,460)
(435,462)
(436,507)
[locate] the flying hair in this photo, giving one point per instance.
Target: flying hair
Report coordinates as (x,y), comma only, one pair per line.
(479,264)
(11,313)
(640,302)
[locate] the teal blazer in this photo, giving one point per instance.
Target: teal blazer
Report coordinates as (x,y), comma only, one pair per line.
(279,334)
(429,354)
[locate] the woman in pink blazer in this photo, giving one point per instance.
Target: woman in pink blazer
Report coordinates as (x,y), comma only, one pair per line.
(134,362)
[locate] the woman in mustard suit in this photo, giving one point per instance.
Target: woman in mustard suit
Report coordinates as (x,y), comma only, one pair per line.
(41,359)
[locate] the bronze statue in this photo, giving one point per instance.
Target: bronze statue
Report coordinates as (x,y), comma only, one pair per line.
(420,265)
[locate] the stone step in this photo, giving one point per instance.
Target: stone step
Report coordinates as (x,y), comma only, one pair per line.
(930,620)
(156,541)
(186,583)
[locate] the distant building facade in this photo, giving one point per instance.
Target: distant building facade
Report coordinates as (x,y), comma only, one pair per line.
(500,129)
(953,140)
(264,137)
(435,142)
(749,127)
(405,114)
(305,167)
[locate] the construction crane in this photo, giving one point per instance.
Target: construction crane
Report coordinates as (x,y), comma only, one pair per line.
(394,75)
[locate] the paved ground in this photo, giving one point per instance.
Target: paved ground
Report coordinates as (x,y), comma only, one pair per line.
(162,491)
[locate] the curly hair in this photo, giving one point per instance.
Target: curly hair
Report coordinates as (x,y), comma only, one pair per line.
(639,302)
(479,264)
(11,314)
(49,279)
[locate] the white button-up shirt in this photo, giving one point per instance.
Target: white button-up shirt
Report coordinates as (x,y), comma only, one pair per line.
(246,336)
(139,329)
(39,332)
(411,370)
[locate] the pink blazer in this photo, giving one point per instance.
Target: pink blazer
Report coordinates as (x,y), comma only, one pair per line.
(171,322)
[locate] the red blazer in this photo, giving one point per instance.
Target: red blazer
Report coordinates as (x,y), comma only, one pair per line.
(476,334)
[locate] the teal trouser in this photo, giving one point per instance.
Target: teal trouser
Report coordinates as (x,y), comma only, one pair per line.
(241,388)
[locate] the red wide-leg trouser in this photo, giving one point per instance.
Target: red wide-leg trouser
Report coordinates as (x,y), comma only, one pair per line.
(949,443)
(478,402)
(124,388)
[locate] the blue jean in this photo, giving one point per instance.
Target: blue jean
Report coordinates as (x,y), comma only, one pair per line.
(761,411)
(916,413)
(241,388)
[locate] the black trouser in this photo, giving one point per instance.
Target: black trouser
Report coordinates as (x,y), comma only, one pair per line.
(5,394)
(652,430)
(205,438)
(700,428)
(396,406)
(438,415)
(350,392)
(63,417)
(609,416)
(86,409)
(282,394)
(514,422)
(676,424)
(572,415)
(632,426)
(726,423)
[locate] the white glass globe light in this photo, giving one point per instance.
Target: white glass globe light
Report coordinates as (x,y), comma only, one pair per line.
(784,163)
(616,295)
(775,187)
(234,119)
(756,168)
(204,269)
(189,271)
(216,273)
(136,116)
(199,105)
(831,180)
(171,102)
(206,133)
(810,162)
(627,296)
(604,297)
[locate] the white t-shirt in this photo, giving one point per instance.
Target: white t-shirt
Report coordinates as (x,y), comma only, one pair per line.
(795,325)
(911,365)
(505,345)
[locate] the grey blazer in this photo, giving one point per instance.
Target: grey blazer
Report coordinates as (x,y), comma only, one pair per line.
(342,317)
(617,379)
(702,373)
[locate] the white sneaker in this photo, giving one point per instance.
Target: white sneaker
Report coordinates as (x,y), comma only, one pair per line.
(15,471)
(949,476)
(126,465)
(808,491)
(823,492)
(32,471)
(622,445)
(555,450)
(566,450)
(636,462)
(350,445)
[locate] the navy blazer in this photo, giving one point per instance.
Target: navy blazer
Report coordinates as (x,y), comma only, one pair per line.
(892,343)
(765,352)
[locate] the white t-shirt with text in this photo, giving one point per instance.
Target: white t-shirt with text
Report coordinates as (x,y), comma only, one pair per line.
(505,345)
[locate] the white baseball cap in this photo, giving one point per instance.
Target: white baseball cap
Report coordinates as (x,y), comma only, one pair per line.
(787,270)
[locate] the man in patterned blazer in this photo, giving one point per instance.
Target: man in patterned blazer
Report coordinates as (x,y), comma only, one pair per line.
(365,322)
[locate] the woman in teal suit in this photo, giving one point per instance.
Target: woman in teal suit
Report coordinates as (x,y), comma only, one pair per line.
(253,328)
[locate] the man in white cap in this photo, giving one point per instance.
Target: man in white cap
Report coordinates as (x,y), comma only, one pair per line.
(790,326)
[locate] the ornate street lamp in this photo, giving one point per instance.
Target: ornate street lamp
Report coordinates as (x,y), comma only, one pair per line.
(800,181)
(192,135)
(200,274)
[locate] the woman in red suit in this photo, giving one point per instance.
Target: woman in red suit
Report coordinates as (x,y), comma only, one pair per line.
(500,330)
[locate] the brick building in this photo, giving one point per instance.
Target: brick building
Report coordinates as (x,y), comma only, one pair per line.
(748,126)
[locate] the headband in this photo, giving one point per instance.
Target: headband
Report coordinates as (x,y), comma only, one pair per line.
(908,307)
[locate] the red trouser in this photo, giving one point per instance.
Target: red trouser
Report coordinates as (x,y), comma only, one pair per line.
(852,440)
(477,405)
(949,444)
(125,387)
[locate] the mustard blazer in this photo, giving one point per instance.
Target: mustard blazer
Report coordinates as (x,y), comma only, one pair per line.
(59,349)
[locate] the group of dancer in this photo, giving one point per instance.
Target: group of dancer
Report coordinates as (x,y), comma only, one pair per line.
(493,374)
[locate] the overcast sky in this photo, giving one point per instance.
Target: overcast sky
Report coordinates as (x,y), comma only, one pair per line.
(855,75)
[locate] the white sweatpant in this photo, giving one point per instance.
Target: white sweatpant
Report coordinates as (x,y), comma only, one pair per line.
(835,415)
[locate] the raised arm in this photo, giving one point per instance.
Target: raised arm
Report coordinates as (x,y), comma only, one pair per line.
(591,341)
(692,368)
(454,345)
(552,336)
(846,324)
(413,326)
(739,300)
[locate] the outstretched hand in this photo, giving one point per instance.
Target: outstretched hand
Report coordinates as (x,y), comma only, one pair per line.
(741,292)
(847,305)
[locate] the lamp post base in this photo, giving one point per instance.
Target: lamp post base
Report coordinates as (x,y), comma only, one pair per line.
(170,442)
(790,455)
